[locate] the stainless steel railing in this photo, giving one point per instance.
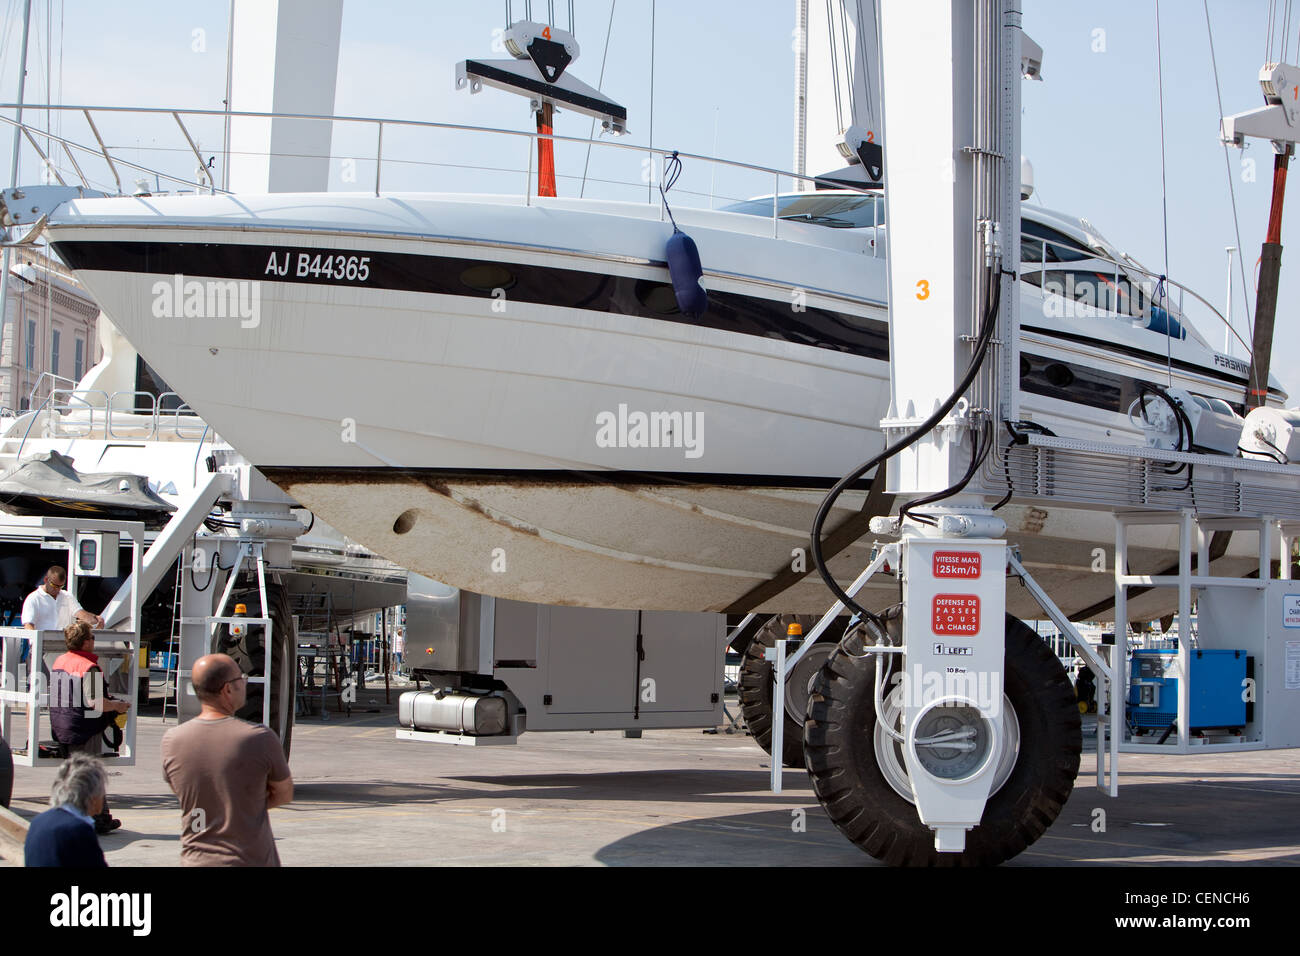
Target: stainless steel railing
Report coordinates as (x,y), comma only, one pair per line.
(95,413)
(95,146)
(1124,272)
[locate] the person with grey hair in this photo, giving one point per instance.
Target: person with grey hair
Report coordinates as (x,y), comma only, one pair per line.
(64,835)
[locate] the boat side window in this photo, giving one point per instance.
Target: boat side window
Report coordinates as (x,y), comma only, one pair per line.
(1094,292)
(834,210)
(1039,243)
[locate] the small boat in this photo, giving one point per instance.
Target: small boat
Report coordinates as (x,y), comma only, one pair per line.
(48,484)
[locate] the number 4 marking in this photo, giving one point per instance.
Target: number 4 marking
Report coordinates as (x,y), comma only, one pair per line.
(546,34)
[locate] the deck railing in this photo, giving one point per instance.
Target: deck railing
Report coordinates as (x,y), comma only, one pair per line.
(97,414)
(390,136)
(384,156)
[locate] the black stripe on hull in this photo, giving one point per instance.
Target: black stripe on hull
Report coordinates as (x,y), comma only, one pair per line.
(1226,375)
(597,292)
(285,475)
(479,278)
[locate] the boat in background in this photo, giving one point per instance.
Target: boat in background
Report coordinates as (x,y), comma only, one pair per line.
(49,484)
(120,422)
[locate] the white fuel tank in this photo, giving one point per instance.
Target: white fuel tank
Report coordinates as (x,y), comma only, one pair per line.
(455,713)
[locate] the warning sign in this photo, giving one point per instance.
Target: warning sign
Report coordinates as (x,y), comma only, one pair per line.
(955,614)
(1291,610)
(956,564)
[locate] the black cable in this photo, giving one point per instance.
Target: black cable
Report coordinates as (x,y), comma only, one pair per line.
(1280,457)
(987,328)
(671,172)
(1184,431)
(1018,437)
(216,566)
(979,451)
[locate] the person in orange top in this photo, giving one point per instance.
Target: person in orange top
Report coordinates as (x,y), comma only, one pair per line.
(80,709)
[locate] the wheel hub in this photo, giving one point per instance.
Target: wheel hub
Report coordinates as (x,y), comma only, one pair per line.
(798,684)
(951,743)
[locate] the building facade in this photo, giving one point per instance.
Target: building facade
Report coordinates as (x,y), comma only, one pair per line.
(50,336)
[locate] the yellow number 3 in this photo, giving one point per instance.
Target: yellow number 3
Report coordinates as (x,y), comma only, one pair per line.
(923,289)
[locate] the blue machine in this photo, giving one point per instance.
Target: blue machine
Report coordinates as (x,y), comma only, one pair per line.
(1217,683)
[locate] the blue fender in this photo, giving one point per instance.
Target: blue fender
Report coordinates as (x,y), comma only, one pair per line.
(684,267)
(1159,320)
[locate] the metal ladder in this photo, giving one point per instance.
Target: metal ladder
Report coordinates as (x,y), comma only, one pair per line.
(171,675)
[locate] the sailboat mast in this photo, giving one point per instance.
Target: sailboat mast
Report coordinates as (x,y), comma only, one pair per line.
(800,92)
(13,164)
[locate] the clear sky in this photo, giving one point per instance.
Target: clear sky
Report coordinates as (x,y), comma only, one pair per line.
(723,75)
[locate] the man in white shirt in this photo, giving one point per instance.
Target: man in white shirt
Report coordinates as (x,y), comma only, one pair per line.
(52,608)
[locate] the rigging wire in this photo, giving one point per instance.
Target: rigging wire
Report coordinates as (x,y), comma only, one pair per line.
(848,60)
(835,67)
(10,18)
(59,124)
(1297,44)
(1286,29)
(1268,32)
(1232,188)
(650,193)
(609,29)
(866,67)
(1164,205)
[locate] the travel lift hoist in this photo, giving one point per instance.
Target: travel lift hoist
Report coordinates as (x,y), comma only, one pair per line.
(542,53)
(257,534)
(946,739)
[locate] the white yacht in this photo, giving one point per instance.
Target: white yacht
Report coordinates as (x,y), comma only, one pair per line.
(500,393)
(121,418)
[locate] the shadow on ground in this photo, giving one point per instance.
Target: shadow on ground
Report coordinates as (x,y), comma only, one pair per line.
(688,786)
(1153,824)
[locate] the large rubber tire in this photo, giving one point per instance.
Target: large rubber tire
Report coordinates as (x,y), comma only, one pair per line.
(6,773)
(250,654)
(839,743)
(757,681)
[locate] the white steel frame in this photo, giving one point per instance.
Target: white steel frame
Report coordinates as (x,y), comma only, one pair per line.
(248,550)
(33,697)
(1194,531)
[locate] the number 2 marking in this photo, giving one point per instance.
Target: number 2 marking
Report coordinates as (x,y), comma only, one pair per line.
(923,289)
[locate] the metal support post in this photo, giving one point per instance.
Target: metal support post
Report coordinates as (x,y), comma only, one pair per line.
(778,712)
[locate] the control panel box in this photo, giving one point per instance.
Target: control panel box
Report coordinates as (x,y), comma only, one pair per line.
(1264,624)
(1218,682)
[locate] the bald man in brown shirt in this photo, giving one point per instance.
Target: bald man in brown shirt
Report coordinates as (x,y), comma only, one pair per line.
(226,772)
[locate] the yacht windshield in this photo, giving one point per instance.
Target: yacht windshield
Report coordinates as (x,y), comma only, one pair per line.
(1039,243)
(836,210)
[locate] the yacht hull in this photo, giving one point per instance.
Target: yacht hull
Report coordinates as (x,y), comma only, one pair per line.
(488,436)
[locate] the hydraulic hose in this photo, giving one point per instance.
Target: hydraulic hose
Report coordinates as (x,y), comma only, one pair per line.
(987,327)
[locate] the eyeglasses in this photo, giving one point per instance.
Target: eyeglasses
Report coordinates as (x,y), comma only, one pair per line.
(233,679)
